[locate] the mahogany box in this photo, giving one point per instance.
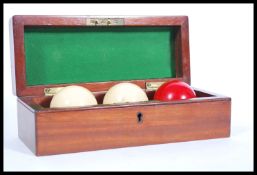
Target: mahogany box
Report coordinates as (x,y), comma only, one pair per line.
(51,52)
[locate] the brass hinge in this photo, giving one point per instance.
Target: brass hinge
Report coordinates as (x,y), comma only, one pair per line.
(153,85)
(105,21)
(51,91)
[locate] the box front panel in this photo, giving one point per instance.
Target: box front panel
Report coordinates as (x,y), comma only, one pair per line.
(75,131)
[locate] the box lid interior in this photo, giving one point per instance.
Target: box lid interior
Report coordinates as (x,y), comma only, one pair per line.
(97,54)
(62,55)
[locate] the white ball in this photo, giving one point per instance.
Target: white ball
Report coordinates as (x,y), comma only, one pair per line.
(124,92)
(73,96)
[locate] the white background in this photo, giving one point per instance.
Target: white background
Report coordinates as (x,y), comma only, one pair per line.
(221,47)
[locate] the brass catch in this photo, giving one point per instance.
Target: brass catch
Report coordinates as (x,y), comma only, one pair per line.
(51,91)
(153,85)
(105,21)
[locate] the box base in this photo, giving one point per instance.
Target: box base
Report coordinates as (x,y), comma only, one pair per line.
(98,127)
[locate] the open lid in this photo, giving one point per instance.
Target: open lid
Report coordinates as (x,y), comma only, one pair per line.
(98,52)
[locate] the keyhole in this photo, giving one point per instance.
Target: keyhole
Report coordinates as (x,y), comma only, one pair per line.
(139,117)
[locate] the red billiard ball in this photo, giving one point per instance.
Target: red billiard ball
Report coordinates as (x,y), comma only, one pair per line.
(174,90)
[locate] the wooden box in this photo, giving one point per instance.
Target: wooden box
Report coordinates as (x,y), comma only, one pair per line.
(97,53)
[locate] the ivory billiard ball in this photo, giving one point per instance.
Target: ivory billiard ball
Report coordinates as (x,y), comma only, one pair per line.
(73,96)
(124,93)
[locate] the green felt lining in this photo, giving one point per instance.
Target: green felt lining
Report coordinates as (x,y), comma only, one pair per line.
(56,55)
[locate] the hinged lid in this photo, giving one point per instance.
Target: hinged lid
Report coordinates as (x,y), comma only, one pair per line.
(98,52)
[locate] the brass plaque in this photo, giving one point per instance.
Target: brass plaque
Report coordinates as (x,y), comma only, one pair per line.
(153,85)
(51,91)
(105,21)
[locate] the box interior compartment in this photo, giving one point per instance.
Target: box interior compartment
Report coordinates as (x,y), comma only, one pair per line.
(80,55)
(43,102)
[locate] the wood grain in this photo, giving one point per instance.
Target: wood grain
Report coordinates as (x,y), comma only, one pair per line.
(74,131)
(26,126)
